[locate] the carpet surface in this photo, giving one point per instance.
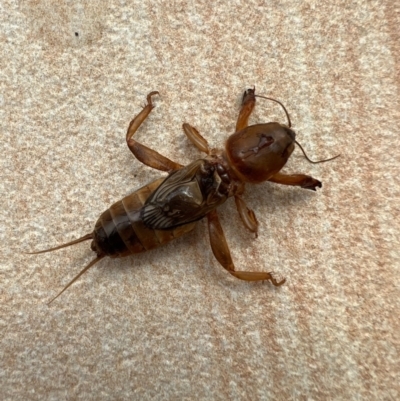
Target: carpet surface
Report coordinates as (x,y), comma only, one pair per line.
(172,324)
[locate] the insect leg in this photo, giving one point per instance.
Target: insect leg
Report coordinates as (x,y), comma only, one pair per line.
(223,255)
(247,215)
(196,138)
(248,103)
(144,154)
(301,180)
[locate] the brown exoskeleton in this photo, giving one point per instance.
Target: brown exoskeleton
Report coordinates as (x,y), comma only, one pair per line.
(169,207)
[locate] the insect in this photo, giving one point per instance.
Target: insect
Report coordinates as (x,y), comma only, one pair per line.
(169,207)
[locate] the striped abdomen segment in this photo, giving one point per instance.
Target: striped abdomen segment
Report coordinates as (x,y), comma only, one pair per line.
(120,230)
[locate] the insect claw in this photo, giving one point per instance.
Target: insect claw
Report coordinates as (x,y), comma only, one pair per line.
(150,95)
(274,281)
(248,94)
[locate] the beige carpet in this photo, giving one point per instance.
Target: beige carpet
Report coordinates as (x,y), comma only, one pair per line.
(172,324)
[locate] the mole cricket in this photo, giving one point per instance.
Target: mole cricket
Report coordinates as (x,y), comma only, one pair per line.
(168,208)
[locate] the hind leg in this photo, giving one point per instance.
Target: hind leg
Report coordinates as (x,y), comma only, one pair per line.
(223,255)
(144,154)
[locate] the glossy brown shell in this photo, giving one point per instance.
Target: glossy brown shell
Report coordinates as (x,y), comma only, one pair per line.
(258,152)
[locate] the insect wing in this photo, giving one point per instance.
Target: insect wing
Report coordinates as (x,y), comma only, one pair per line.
(185,196)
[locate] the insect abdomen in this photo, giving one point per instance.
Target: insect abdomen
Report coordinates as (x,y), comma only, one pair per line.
(120,230)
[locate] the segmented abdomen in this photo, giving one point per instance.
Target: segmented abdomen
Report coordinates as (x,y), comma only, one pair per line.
(120,230)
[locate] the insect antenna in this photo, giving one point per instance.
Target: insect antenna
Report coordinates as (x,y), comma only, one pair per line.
(283,107)
(318,161)
(93,262)
(290,124)
(77,241)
